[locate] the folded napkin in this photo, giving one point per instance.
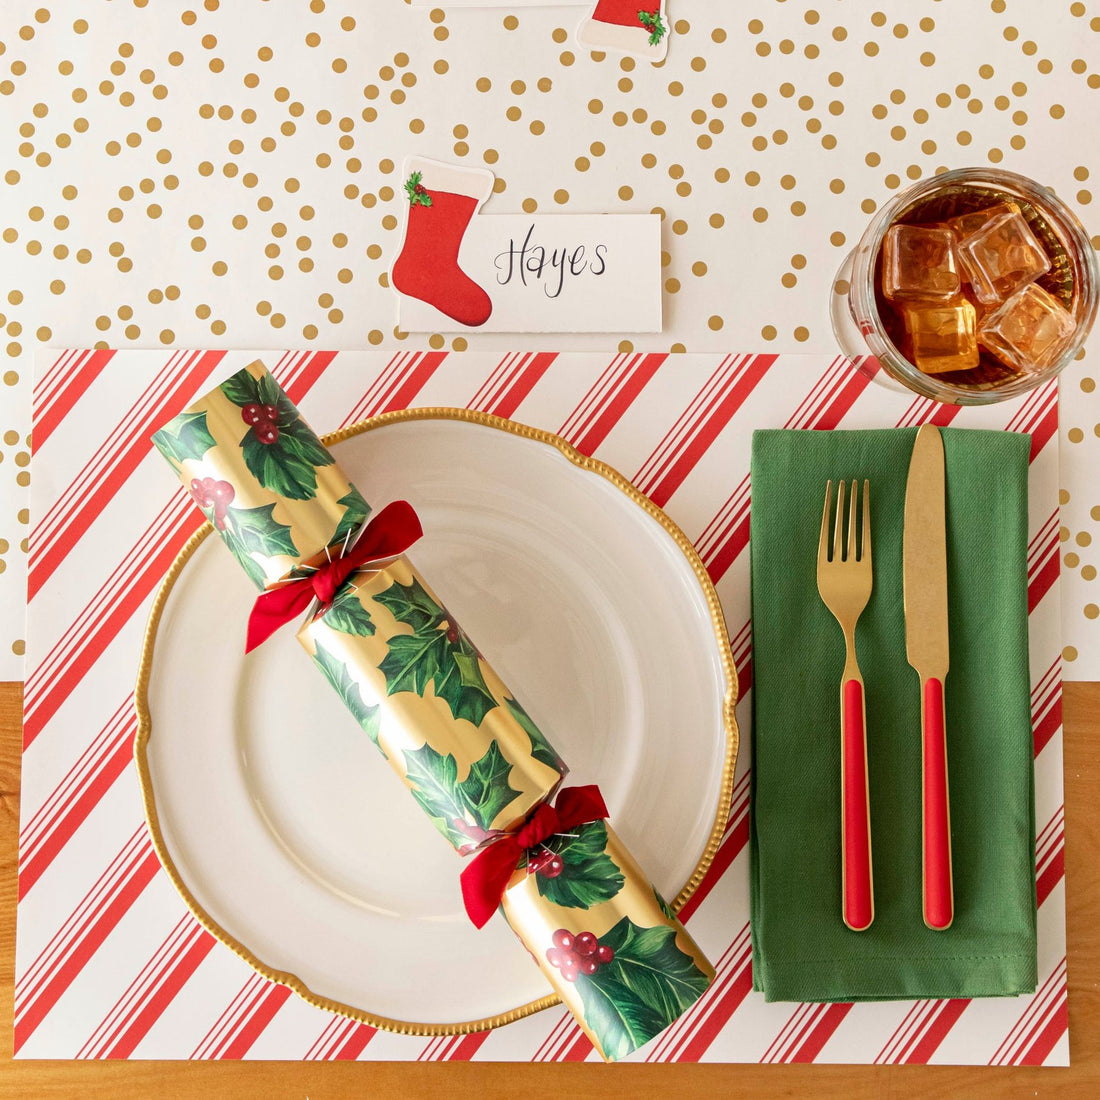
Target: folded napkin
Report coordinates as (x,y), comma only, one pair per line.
(801,948)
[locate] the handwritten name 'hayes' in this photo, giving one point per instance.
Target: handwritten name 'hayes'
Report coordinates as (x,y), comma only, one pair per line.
(534,264)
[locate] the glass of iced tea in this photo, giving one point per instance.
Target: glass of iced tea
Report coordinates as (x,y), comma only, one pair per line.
(969,287)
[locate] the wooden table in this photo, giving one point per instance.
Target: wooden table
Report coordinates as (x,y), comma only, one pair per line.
(229,1080)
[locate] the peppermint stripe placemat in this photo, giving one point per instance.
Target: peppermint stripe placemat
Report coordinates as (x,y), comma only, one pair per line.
(111,964)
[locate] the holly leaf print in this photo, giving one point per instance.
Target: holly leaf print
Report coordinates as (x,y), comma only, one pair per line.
(184,437)
(336,672)
(301,439)
(541,749)
(416,660)
(464,812)
(434,783)
(412,662)
(616,1015)
(664,906)
(258,531)
(245,560)
(242,389)
(371,725)
(356,510)
(285,464)
(410,603)
(347,615)
(253,530)
(271,393)
(280,467)
(486,790)
(589,876)
(648,984)
(437,652)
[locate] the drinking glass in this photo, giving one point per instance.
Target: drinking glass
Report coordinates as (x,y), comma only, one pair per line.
(870,332)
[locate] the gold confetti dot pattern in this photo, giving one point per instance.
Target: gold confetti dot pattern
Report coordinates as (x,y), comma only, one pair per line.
(1080,511)
(196,172)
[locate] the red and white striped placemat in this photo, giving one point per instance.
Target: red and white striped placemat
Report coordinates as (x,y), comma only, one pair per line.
(110,963)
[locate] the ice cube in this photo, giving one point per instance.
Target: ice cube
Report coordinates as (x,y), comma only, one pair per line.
(966,225)
(918,263)
(1030,331)
(1001,257)
(942,337)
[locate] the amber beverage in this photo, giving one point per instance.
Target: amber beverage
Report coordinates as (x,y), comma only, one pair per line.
(970,287)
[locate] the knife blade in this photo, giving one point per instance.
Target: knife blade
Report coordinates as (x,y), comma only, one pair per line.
(924,562)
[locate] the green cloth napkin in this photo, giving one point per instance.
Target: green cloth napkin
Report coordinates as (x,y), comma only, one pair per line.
(801,948)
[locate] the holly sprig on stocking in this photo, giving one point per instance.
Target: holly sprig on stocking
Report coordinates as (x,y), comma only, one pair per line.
(417,192)
(653,22)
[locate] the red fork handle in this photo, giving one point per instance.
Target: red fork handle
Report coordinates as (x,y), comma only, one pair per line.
(859,905)
(939,905)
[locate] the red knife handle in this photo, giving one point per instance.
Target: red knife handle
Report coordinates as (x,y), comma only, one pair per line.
(939,905)
(859,905)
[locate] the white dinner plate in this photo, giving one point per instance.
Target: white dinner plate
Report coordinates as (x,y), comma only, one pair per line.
(287,833)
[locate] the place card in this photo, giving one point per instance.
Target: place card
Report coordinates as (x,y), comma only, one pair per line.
(458,269)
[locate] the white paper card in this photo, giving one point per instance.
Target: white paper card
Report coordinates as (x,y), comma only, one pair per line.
(556,273)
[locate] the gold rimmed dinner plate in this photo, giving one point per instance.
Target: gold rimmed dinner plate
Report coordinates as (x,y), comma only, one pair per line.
(289,837)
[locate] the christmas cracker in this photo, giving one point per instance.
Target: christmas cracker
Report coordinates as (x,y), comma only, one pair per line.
(448,726)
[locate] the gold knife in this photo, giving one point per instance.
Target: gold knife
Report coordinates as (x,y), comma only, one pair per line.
(926,646)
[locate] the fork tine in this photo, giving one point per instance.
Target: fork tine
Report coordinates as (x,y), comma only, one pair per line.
(823,542)
(866,555)
(851,555)
(838,532)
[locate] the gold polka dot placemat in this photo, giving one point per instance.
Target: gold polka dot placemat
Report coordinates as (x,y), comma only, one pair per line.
(214,173)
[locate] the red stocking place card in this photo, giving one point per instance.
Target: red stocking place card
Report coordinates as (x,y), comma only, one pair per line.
(639,28)
(635,27)
(458,269)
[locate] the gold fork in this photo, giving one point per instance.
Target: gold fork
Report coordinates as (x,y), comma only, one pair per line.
(844,580)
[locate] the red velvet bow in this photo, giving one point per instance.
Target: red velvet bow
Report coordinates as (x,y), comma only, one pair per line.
(486,876)
(391,532)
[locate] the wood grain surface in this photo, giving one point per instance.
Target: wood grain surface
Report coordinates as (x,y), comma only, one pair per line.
(323,1081)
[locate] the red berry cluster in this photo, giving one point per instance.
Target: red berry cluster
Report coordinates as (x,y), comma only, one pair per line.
(264,421)
(546,863)
(207,492)
(420,189)
(579,954)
